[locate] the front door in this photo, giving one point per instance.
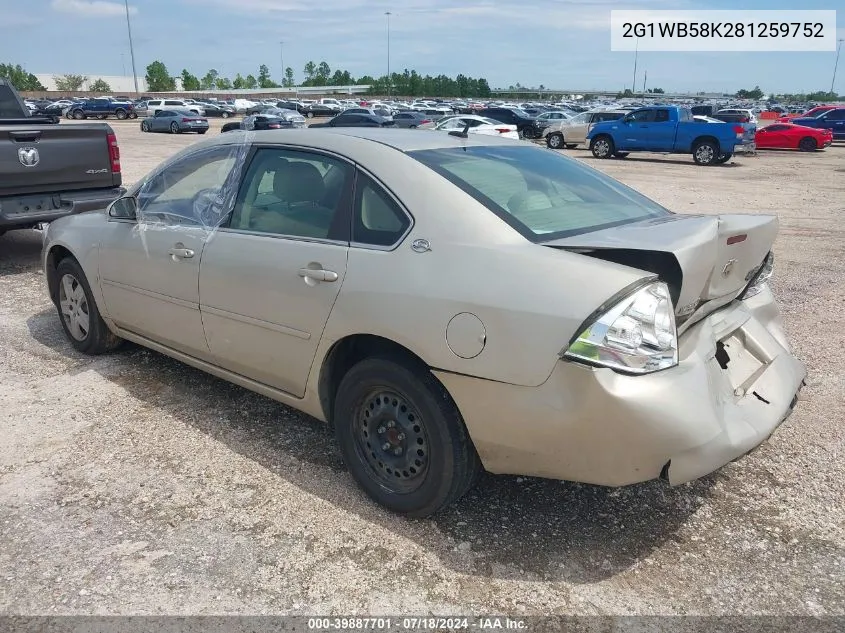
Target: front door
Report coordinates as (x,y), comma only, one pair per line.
(636,129)
(149,267)
(269,280)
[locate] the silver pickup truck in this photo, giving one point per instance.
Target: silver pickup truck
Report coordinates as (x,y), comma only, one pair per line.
(49,170)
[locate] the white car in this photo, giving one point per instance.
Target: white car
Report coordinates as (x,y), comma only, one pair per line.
(334,104)
(477,125)
(156,105)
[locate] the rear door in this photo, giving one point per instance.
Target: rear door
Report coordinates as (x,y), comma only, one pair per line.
(270,278)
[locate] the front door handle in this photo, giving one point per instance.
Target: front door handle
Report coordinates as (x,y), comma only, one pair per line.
(317,274)
(178,252)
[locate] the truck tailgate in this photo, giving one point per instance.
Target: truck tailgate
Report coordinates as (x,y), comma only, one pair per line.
(55,158)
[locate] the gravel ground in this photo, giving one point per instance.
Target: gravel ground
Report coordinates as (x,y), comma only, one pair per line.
(132,484)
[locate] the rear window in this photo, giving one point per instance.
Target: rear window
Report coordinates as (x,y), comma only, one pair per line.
(541,194)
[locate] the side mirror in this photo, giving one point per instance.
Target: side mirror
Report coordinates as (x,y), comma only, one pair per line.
(626,119)
(125,208)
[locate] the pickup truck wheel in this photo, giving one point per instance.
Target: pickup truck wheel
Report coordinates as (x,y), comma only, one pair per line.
(78,311)
(602,147)
(174,128)
(78,115)
(134,115)
(554,140)
(808,144)
(120,114)
(705,153)
(402,437)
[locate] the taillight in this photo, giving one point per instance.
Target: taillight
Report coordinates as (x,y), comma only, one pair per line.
(425,121)
(114,152)
(187,119)
(503,130)
(739,131)
(274,126)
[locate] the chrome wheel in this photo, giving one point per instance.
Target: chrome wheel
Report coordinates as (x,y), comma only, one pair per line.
(704,154)
(601,148)
(74,307)
(120,114)
(392,440)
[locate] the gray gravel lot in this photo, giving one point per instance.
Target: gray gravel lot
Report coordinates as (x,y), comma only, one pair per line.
(132,484)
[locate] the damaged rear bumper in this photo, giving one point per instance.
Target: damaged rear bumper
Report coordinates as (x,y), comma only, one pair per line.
(736,381)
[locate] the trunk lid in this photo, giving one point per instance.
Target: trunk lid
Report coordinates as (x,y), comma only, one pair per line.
(67,158)
(701,257)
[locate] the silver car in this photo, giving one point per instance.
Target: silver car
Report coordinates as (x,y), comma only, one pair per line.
(447,304)
(175,122)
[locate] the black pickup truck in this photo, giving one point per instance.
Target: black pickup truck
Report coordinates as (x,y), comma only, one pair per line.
(49,170)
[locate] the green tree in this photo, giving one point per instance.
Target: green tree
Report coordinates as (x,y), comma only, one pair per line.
(158,79)
(238,82)
(756,93)
(69,83)
(223,83)
(19,78)
(310,71)
(264,80)
(288,81)
(209,81)
(190,82)
(250,82)
(100,85)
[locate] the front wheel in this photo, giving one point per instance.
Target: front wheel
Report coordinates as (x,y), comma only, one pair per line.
(174,128)
(78,115)
(145,127)
(554,140)
(706,153)
(78,311)
(602,147)
(402,437)
(808,144)
(225,115)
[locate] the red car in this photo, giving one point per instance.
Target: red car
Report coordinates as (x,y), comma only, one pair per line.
(811,112)
(791,136)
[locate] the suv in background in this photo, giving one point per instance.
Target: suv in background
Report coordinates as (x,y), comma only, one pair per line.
(155,105)
(526,125)
(573,132)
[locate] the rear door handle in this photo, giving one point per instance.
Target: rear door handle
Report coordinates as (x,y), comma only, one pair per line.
(181,253)
(318,274)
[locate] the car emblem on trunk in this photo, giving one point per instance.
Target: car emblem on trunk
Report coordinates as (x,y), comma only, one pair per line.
(28,156)
(728,267)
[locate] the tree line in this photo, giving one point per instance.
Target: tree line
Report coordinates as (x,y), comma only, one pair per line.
(408,83)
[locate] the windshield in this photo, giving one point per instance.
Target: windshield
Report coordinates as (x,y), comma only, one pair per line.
(543,195)
(521,112)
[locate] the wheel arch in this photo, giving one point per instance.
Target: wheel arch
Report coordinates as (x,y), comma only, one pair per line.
(706,138)
(349,350)
(55,255)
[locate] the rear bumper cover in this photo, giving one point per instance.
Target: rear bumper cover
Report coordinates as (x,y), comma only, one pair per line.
(597,426)
(29,210)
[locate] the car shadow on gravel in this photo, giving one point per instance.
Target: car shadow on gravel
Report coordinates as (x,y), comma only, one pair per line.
(636,157)
(20,252)
(506,527)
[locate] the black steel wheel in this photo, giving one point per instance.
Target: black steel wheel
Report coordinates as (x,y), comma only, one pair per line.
(402,437)
(808,144)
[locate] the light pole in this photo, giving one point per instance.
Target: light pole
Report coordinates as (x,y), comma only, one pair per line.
(131,48)
(387,13)
(636,52)
(282,58)
(836,64)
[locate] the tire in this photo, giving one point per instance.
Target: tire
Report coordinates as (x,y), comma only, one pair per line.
(78,115)
(808,144)
(225,115)
(571,145)
(723,158)
(134,115)
(310,115)
(705,153)
(555,140)
(120,114)
(174,128)
(145,127)
(602,146)
(417,418)
(621,154)
(201,131)
(412,127)
(78,311)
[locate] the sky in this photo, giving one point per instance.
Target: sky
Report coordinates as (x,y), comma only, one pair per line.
(561,44)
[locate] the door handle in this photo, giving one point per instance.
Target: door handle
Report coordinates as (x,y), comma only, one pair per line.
(181,253)
(317,274)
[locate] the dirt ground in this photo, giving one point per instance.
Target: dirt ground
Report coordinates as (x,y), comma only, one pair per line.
(132,484)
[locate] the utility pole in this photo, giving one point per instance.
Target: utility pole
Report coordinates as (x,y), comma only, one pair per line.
(282,59)
(131,48)
(636,52)
(645,79)
(835,65)
(388,14)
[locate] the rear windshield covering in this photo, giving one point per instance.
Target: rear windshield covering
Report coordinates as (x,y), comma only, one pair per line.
(540,193)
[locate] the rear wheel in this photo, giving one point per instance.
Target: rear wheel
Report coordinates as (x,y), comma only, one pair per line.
(602,147)
(174,128)
(402,437)
(705,153)
(808,144)
(78,115)
(78,311)
(120,114)
(201,131)
(554,140)
(225,115)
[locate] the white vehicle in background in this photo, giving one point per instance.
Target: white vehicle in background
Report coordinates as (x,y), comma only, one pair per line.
(242,105)
(328,102)
(475,124)
(743,111)
(156,105)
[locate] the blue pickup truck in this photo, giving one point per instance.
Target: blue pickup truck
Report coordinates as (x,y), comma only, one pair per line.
(670,129)
(101,108)
(833,120)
